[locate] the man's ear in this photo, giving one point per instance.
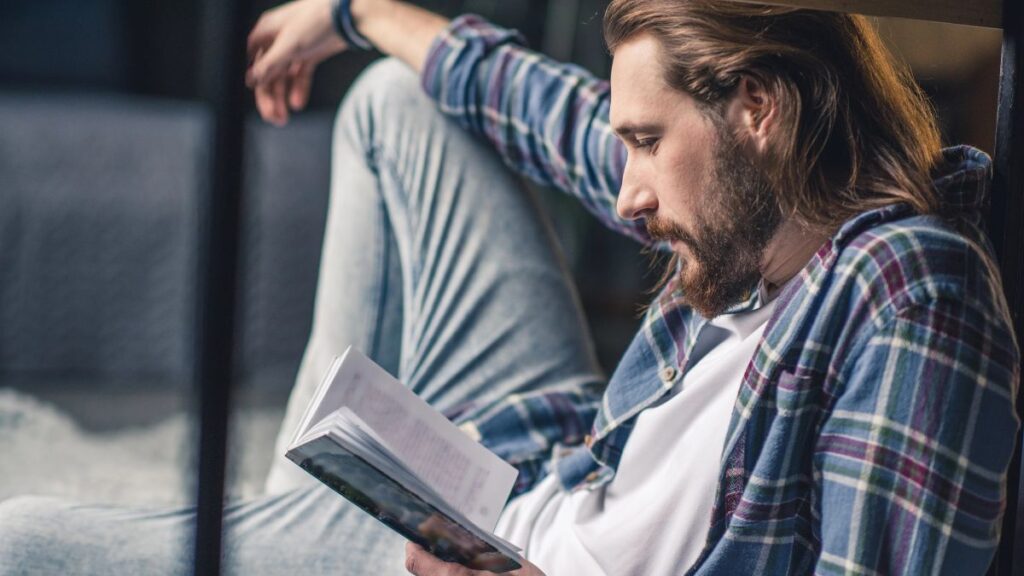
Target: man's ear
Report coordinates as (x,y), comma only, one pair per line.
(753,113)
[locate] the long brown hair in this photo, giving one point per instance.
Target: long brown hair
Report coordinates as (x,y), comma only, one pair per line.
(855,130)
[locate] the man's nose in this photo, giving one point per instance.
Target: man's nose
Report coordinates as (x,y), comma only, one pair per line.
(636,199)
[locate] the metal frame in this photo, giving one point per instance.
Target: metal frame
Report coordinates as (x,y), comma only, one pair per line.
(1006,227)
(224,59)
(974,12)
(223,67)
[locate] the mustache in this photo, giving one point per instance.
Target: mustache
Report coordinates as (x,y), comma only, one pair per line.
(663,230)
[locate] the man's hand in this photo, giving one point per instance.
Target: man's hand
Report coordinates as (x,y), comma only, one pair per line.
(422,563)
(284,48)
(289,41)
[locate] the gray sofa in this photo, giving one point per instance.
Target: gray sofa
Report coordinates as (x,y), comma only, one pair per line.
(97,241)
(98,198)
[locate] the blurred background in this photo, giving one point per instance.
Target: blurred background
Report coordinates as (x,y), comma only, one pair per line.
(104,149)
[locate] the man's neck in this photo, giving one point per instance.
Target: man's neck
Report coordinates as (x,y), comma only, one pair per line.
(787,253)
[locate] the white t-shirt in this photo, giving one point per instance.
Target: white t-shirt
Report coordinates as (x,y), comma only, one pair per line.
(652,518)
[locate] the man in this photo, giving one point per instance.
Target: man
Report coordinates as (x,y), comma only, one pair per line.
(823,384)
(788,163)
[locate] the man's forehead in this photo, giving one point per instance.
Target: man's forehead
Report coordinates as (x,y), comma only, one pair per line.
(637,83)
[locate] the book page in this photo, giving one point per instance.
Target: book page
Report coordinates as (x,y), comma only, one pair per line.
(469,477)
(322,402)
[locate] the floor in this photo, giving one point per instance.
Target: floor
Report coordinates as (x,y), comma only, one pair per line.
(123,448)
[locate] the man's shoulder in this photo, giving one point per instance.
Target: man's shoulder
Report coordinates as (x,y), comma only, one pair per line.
(933,282)
(916,259)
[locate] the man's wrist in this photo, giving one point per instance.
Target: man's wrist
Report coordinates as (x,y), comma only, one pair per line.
(397,28)
(344,24)
(364,11)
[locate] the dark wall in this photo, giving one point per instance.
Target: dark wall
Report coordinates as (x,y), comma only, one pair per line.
(64,44)
(152,48)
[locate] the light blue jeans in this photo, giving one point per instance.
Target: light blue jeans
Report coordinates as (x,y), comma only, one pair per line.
(439,265)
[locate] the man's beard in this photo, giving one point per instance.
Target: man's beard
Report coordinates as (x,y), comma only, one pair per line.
(738,217)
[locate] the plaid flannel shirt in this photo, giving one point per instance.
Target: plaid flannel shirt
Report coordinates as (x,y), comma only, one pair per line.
(875,422)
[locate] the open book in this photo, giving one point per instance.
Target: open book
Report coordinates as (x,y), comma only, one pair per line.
(376,443)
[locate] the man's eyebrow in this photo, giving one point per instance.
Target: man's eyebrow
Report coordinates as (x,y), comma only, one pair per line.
(627,129)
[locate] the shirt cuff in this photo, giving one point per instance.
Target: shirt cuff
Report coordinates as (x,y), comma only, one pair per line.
(465,41)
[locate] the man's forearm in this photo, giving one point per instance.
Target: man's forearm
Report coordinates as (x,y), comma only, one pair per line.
(398,29)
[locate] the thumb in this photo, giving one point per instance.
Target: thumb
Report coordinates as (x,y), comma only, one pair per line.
(419,562)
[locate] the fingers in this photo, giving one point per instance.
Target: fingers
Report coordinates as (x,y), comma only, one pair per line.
(419,562)
(269,52)
(264,102)
(270,101)
(300,80)
(279,90)
(284,47)
(275,100)
(275,62)
(260,37)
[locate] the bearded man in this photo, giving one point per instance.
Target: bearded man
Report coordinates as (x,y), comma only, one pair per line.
(823,384)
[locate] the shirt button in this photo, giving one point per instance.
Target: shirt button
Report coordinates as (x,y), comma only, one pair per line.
(668,374)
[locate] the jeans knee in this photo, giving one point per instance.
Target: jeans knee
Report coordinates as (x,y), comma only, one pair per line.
(387,76)
(384,83)
(387,93)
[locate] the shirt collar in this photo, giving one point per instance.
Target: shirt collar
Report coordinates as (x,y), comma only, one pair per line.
(961,177)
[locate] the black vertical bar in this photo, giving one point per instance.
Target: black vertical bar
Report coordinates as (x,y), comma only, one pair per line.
(1006,226)
(221,86)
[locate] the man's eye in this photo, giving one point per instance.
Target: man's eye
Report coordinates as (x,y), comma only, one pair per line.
(646,142)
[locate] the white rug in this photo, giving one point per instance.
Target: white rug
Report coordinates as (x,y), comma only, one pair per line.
(44,452)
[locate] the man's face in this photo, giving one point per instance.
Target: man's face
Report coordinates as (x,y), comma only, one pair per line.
(689,177)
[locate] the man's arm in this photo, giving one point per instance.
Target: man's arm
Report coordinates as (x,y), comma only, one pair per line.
(548,120)
(399,29)
(911,460)
(524,429)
